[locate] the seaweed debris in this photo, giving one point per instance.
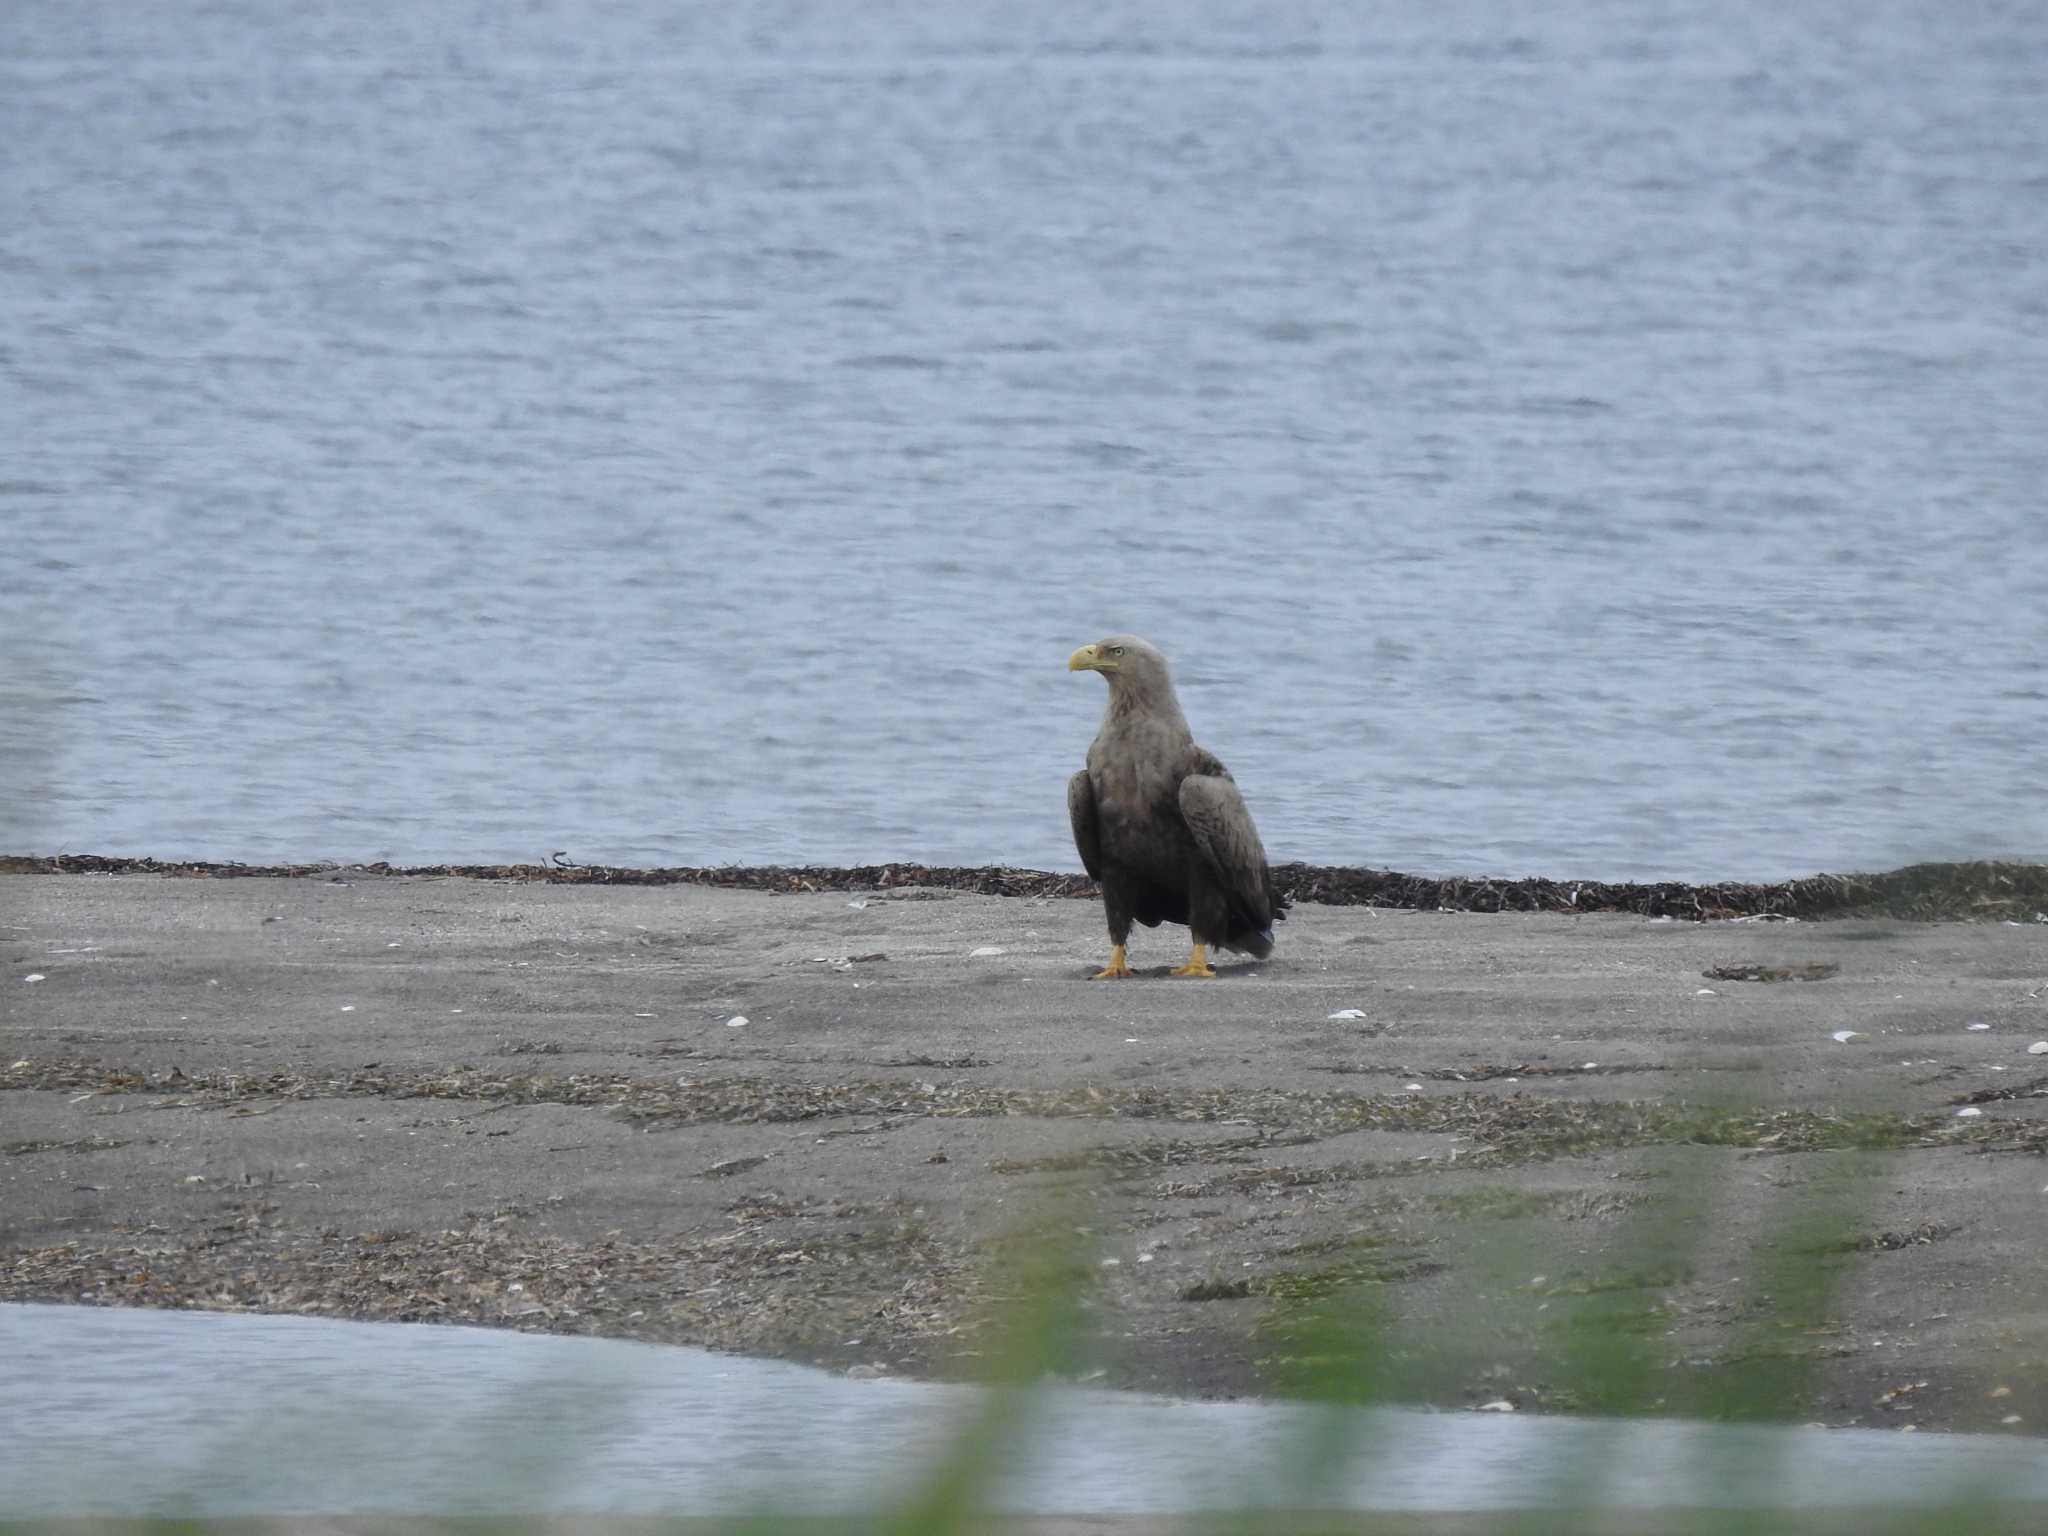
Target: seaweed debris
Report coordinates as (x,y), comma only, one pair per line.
(1818,970)
(790,1280)
(1516,1127)
(1970,891)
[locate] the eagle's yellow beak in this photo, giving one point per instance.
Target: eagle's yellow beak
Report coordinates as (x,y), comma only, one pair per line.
(1086,659)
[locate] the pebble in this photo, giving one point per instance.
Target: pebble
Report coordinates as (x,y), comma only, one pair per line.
(1844,1036)
(1980,1026)
(737,1021)
(2038,1048)
(1348,1013)
(1498,1405)
(984,951)
(1968,1114)
(33,976)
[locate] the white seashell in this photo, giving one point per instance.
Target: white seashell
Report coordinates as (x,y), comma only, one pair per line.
(1844,1036)
(984,951)
(737,1021)
(1969,1114)
(1348,1013)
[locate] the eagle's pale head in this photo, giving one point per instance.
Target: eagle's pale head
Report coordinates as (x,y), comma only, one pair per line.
(1118,653)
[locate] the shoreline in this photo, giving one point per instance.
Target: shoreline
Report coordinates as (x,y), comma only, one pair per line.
(527,1103)
(1945,891)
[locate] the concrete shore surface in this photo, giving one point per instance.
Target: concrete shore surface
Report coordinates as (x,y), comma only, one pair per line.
(820,1125)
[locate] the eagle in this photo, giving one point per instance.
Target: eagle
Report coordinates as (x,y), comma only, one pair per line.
(1159,822)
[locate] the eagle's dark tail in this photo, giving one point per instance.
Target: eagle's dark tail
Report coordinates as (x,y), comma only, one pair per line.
(1256,938)
(1250,931)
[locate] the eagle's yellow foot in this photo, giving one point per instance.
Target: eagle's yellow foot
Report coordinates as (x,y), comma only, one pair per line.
(1198,964)
(1116,966)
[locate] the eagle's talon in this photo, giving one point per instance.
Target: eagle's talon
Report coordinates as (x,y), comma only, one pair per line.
(1116,966)
(1198,964)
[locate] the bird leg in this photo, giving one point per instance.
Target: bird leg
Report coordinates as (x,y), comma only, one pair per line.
(1116,966)
(1198,964)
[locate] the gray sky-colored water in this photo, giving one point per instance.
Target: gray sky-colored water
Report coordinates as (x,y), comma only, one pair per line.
(1601,442)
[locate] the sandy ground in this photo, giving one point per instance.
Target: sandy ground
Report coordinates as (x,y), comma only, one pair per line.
(1500,1136)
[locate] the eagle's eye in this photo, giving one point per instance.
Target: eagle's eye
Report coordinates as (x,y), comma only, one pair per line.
(1116,650)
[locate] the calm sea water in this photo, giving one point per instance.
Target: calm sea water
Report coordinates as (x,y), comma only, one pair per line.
(225,1415)
(1593,439)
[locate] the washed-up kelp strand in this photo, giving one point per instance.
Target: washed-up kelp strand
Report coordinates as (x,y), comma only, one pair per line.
(803,1279)
(1979,890)
(987,880)
(1975,890)
(1519,1126)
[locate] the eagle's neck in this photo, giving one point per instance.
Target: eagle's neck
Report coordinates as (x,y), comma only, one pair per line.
(1135,699)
